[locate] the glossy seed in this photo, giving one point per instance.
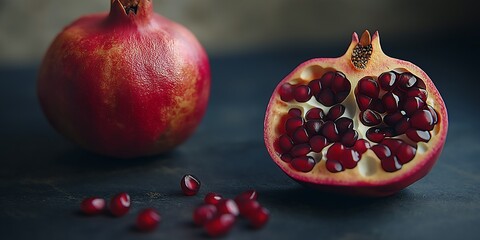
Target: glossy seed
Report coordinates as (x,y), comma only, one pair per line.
(343,124)
(295,112)
(368,87)
(300,150)
(302,93)
(334,166)
(292,124)
(418,135)
(300,135)
(363,102)
(391,164)
(422,120)
(313,127)
(286,92)
(326,97)
(317,143)
(381,151)
(387,80)
(349,137)
(390,101)
(315,114)
(330,132)
(285,143)
(303,164)
(370,118)
(335,112)
(405,153)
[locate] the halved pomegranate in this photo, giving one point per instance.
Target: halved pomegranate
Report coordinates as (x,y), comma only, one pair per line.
(362,124)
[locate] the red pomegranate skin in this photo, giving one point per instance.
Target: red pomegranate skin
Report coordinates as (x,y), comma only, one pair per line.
(125,85)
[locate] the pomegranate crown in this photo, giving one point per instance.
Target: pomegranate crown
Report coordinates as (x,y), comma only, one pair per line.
(135,11)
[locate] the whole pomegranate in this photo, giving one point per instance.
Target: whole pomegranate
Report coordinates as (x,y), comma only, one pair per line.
(361,124)
(127,83)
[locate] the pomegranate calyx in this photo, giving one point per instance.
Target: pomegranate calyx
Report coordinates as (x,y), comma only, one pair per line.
(133,10)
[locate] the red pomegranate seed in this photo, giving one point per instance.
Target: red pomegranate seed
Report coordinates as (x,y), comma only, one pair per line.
(302,93)
(390,101)
(92,205)
(285,143)
(317,143)
(313,127)
(361,146)
(326,97)
(300,135)
(219,225)
(370,118)
(227,206)
(340,83)
(387,80)
(315,86)
(295,112)
(349,138)
(248,207)
(375,134)
(292,124)
(339,97)
(341,87)
(334,166)
(335,151)
(350,158)
(411,105)
(120,204)
(392,119)
(343,124)
(392,144)
(330,132)
(417,92)
(434,114)
(204,213)
(377,106)
(405,153)
(402,126)
(315,114)
(286,157)
(335,112)
(148,219)
(286,92)
(327,79)
(303,164)
(259,218)
(300,150)
(422,120)
(418,135)
(247,195)
(363,102)
(391,164)
(406,80)
(369,87)
(190,185)
(212,198)
(381,151)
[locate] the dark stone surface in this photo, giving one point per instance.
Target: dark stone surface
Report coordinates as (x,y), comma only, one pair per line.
(43,177)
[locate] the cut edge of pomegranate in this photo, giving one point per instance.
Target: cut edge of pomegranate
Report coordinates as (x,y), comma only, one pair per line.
(373,185)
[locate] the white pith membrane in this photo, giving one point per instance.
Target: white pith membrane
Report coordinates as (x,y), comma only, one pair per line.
(368,170)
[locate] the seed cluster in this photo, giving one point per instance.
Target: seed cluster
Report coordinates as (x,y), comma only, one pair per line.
(392,106)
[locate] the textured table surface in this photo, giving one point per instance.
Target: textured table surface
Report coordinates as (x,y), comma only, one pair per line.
(43,177)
